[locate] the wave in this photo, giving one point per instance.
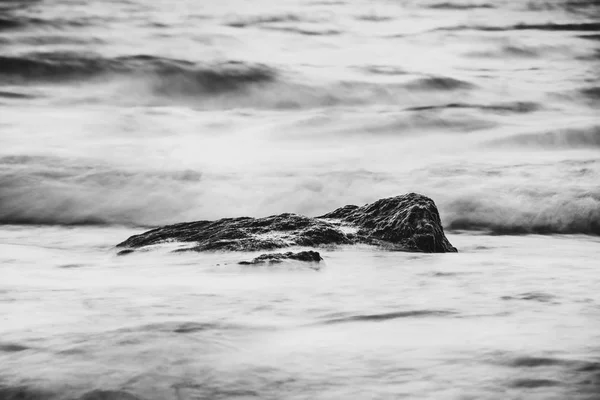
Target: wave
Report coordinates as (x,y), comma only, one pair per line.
(530,383)
(519,51)
(588,8)
(372,17)
(459,6)
(12,348)
(9,23)
(519,107)
(561,139)
(352,93)
(31,393)
(515,51)
(293,23)
(383,70)
(506,213)
(186,327)
(574,27)
(53,191)
(305,31)
(24,393)
(58,39)
(388,316)
(439,83)
(532,296)
(14,95)
(156,80)
(264,19)
(533,362)
(19,22)
(590,37)
(506,200)
(167,73)
(99,394)
(592,93)
(279,20)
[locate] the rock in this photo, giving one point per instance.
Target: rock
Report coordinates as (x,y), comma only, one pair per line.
(275,258)
(409,222)
(412,221)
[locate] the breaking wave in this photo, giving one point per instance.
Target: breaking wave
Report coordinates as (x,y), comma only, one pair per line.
(152,79)
(52,191)
(514,214)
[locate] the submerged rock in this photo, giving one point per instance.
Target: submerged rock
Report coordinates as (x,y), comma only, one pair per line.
(409,222)
(275,258)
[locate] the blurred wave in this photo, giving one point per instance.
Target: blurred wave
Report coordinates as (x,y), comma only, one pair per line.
(459,6)
(38,190)
(514,107)
(505,213)
(66,66)
(53,191)
(439,83)
(562,139)
(148,113)
(574,27)
(250,85)
(388,316)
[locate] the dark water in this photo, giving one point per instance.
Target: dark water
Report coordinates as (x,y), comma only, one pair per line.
(121,114)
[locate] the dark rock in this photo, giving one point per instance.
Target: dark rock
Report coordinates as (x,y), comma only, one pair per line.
(275,258)
(409,222)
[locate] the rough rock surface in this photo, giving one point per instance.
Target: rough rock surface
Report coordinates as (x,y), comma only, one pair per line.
(275,258)
(409,222)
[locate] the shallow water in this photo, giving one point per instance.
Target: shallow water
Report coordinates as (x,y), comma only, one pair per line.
(507,317)
(119,115)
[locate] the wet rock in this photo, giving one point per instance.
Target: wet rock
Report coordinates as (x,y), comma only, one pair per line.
(409,222)
(275,258)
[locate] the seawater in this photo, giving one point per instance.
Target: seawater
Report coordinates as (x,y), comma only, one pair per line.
(120,115)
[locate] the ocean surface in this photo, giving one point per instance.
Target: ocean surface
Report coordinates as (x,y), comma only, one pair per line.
(117,116)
